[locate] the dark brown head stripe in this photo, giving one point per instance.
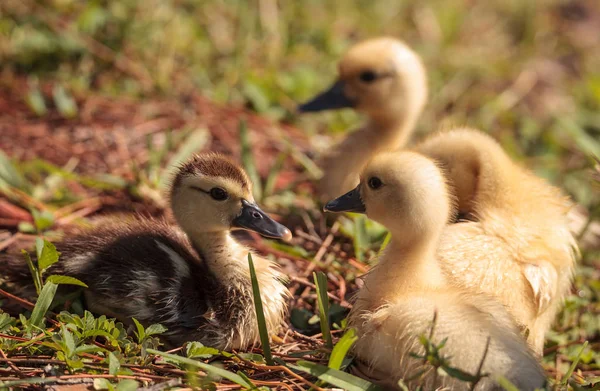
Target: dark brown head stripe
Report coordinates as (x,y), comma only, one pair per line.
(212,165)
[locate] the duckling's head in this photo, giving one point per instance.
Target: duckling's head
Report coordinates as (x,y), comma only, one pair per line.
(210,193)
(405,191)
(380,77)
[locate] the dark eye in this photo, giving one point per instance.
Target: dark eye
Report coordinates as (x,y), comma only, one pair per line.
(218,194)
(375,183)
(367,76)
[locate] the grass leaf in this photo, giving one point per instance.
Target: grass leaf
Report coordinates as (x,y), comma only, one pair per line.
(194,142)
(273,173)
(9,174)
(335,377)
(321,284)
(248,160)
(42,304)
(205,367)
(506,384)
(66,280)
(569,373)
(341,349)
(35,273)
(260,315)
(361,239)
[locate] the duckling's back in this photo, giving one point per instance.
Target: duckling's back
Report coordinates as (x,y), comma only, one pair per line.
(517,245)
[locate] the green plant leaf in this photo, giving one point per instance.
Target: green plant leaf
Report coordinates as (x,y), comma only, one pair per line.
(113,364)
(459,374)
(42,304)
(35,273)
(66,280)
(506,384)
(569,373)
(341,348)
(248,160)
(65,104)
(35,101)
(47,254)
(335,377)
(206,367)
(194,142)
(68,341)
(321,285)
(140,333)
(155,329)
(198,350)
(260,315)
(127,385)
(9,175)
(103,384)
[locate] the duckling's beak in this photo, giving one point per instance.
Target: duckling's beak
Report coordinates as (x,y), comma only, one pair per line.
(349,202)
(254,219)
(333,98)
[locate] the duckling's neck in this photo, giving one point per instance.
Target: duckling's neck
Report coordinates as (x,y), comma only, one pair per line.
(391,130)
(404,268)
(224,256)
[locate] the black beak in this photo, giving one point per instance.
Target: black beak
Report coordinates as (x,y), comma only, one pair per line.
(349,202)
(333,98)
(254,219)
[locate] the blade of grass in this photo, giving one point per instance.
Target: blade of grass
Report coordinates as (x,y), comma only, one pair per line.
(273,173)
(194,142)
(341,349)
(237,379)
(35,273)
(260,315)
(321,284)
(360,237)
(311,168)
(10,175)
(248,160)
(42,304)
(569,373)
(335,377)
(506,384)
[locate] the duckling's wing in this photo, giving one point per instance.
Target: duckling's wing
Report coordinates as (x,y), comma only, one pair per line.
(543,279)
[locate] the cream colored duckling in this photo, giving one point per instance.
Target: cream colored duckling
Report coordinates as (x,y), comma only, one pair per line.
(384,79)
(194,280)
(518,246)
(407,193)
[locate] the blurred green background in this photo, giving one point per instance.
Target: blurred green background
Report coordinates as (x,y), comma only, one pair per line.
(525,71)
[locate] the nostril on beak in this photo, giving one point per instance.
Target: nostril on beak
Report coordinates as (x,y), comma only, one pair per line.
(256,215)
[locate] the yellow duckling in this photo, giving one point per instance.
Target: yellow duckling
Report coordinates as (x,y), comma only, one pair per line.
(384,79)
(517,246)
(407,193)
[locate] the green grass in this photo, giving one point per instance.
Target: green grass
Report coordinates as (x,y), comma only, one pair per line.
(526,72)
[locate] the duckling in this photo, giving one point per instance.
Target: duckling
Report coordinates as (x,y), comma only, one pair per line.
(516,244)
(384,79)
(407,193)
(193,279)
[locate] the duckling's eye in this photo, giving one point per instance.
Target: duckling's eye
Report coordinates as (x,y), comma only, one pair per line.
(375,183)
(218,194)
(367,76)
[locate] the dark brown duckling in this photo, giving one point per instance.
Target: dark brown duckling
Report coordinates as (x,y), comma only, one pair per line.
(194,280)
